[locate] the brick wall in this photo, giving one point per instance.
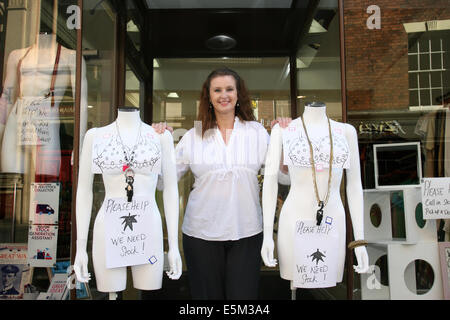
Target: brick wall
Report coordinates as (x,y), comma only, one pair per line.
(377,60)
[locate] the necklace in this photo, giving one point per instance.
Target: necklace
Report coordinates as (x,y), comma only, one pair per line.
(321,203)
(128,171)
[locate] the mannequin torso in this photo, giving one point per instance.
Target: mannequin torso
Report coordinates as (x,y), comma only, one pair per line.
(149,154)
(301,202)
(28,80)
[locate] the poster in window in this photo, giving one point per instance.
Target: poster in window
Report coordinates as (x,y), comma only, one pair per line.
(15,272)
(44,203)
(42,242)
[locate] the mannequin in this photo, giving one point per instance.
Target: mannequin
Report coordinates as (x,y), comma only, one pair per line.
(301,203)
(154,154)
(28,80)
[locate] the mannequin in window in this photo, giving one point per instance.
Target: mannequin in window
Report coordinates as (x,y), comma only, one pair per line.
(35,84)
(109,151)
(301,202)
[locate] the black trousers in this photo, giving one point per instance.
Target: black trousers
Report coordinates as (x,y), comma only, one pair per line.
(223,270)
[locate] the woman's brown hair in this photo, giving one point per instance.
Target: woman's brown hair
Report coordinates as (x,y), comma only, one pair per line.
(207,115)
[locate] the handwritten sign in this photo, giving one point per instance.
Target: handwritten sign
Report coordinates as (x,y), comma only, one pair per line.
(315,254)
(34,122)
(128,232)
(436,198)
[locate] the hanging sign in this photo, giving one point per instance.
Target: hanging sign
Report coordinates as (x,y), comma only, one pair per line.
(129,232)
(436,198)
(315,254)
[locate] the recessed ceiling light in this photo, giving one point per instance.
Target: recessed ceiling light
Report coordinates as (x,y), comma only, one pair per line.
(221,42)
(173,95)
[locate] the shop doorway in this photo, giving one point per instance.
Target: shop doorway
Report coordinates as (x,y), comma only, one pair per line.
(161,51)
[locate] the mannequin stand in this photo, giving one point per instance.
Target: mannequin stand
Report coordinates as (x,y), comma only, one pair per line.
(293,291)
(112,296)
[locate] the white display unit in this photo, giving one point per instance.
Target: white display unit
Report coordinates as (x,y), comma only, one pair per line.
(420,244)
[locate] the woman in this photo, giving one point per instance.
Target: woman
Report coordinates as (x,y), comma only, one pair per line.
(222,227)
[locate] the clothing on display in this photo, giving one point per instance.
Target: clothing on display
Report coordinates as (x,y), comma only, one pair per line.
(35,85)
(434,128)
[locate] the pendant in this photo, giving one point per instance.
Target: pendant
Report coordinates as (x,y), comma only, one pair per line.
(129,179)
(319,214)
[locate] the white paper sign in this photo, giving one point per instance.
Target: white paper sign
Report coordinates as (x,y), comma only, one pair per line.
(44,203)
(315,254)
(436,198)
(42,241)
(34,120)
(128,232)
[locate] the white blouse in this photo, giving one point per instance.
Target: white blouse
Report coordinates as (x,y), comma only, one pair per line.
(224,203)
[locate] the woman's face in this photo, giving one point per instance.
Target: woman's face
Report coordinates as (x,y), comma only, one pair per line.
(223,94)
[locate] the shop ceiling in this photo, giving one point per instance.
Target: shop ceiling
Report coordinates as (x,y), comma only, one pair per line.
(218,28)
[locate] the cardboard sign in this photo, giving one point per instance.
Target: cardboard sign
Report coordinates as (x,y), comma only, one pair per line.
(128,232)
(436,198)
(315,254)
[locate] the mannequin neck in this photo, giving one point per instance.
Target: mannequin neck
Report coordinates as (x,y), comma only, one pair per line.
(128,118)
(315,115)
(46,41)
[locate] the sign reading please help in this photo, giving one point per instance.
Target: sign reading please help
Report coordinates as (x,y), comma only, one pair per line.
(129,232)
(436,198)
(315,254)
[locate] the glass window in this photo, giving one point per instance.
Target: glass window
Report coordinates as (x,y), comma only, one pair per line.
(177,88)
(101,55)
(38,71)
(319,63)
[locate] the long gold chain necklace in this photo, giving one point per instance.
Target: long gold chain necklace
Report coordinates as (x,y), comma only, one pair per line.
(321,203)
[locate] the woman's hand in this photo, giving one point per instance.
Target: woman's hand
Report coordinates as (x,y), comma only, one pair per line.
(283,122)
(161,127)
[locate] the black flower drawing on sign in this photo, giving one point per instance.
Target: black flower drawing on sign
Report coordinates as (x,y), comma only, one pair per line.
(128,221)
(317,256)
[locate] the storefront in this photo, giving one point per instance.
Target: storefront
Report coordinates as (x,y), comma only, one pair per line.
(66,66)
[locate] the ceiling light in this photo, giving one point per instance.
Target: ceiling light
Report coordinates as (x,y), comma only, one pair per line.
(221,42)
(173,95)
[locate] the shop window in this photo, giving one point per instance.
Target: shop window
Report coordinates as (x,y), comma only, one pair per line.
(38,69)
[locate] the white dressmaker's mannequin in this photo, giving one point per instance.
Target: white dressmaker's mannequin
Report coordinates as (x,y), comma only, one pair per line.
(301,203)
(151,147)
(28,79)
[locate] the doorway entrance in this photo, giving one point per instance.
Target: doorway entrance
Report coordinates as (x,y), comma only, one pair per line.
(155,55)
